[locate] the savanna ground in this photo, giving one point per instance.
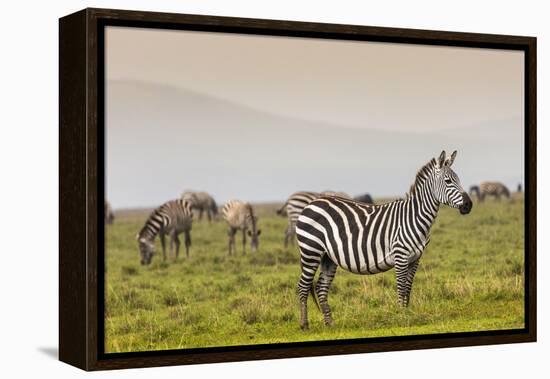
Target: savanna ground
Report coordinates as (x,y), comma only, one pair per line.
(471,278)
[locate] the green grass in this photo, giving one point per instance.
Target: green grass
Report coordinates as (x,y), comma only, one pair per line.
(469,279)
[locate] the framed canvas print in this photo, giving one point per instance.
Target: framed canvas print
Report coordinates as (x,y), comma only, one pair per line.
(240,189)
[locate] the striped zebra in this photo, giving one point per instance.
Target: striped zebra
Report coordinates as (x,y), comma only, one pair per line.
(202,202)
(172,218)
(109,215)
(294,206)
(367,239)
(495,189)
(240,216)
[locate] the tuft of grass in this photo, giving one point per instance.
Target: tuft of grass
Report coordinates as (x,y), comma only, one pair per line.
(129,270)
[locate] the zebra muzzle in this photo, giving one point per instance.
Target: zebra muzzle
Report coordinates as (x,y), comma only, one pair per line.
(466,206)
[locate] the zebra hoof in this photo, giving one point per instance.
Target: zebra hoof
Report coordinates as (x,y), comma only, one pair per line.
(328,322)
(304,326)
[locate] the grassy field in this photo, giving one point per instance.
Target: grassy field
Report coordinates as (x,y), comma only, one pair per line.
(469,279)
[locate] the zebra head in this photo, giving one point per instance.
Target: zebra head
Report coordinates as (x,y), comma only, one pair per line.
(448,189)
(146,250)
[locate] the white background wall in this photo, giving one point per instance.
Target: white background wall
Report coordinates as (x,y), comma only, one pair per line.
(28,156)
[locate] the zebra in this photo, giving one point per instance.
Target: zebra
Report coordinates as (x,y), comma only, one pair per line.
(365,198)
(109,215)
(172,218)
(335,193)
(475,190)
(294,206)
(240,216)
(202,202)
(495,189)
(367,239)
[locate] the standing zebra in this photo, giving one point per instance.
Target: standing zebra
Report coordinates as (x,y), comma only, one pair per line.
(240,216)
(495,189)
(202,202)
(109,215)
(173,217)
(367,239)
(294,206)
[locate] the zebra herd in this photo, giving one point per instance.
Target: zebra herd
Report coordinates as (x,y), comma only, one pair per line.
(332,229)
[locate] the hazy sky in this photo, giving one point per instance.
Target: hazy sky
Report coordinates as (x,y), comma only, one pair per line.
(255,117)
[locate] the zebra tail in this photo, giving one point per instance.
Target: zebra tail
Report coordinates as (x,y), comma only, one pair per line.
(315,300)
(280,210)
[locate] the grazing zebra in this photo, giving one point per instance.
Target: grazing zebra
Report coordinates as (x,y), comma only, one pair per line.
(202,202)
(294,206)
(365,198)
(240,216)
(520,188)
(109,215)
(474,190)
(172,218)
(495,189)
(367,239)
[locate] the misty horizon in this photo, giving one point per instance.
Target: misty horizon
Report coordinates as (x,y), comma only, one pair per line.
(212,169)
(257,118)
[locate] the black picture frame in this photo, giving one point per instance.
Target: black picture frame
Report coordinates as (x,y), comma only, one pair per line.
(81,199)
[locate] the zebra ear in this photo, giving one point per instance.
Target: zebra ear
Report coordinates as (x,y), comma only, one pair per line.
(441,159)
(450,160)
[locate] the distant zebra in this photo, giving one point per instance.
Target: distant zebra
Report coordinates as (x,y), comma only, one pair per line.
(240,216)
(495,189)
(202,202)
(365,198)
(294,206)
(172,218)
(109,215)
(367,239)
(474,190)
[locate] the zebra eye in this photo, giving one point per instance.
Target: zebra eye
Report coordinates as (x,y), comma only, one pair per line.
(448,181)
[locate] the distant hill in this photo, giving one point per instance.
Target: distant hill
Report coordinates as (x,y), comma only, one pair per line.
(161,140)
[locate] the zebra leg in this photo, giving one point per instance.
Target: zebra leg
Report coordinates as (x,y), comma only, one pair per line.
(410,277)
(401,274)
(293,234)
(328,270)
(178,243)
(287,235)
(309,266)
(290,234)
(187,242)
(231,233)
(244,241)
(163,244)
(200,214)
(172,240)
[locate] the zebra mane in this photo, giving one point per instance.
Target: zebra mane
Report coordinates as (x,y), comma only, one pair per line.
(251,214)
(421,176)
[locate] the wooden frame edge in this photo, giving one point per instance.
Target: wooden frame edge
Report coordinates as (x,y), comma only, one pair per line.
(78,183)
